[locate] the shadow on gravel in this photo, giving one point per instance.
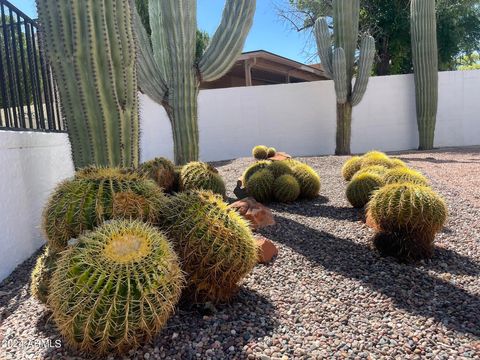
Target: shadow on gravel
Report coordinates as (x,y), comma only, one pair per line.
(250,316)
(409,288)
(316,208)
(448,261)
(441,161)
(15,289)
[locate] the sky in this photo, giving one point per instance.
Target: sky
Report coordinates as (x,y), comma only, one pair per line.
(268,31)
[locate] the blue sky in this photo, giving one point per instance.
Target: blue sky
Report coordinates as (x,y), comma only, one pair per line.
(268,31)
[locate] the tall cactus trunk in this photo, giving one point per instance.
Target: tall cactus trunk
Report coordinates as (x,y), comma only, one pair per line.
(182,112)
(339,64)
(426,132)
(89,45)
(169,70)
(425,66)
(344,128)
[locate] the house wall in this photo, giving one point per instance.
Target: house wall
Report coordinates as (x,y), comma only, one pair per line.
(300,118)
(31,164)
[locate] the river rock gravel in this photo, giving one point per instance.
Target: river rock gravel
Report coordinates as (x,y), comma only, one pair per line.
(327,295)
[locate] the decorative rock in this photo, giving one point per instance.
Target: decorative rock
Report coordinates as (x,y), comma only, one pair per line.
(266,249)
(279,156)
(257,214)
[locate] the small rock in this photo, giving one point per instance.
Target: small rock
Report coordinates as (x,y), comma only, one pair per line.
(257,214)
(266,249)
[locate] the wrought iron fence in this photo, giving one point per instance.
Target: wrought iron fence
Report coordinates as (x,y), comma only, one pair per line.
(28,94)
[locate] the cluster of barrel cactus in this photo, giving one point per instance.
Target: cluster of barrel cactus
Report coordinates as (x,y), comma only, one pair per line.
(262,152)
(121,250)
(195,175)
(283,181)
(400,206)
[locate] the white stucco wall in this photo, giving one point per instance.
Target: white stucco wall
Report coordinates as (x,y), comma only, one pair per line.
(31,164)
(300,118)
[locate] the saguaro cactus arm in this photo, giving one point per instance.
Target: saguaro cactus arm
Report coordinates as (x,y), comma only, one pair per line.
(425,66)
(227,42)
(365,62)
(345,26)
(324,45)
(174,30)
(150,78)
(340,75)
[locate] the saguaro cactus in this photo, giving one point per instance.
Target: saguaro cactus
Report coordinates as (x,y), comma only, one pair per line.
(339,63)
(89,45)
(168,71)
(425,65)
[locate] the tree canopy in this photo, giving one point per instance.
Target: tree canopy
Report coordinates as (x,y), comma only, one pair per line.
(389,23)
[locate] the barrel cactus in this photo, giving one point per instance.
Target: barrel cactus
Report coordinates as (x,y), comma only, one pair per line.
(160,170)
(260,152)
(397,163)
(89,46)
(260,185)
(271,152)
(197,175)
(215,244)
(169,70)
(351,166)
(92,197)
(115,288)
(177,170)
(252,169)
(423,22)
(403,174)
(286,188)
(376,158)
(308,179)
(408,207)
(404,246)
(373,169)
(42,273)
(361,187)
(278,168)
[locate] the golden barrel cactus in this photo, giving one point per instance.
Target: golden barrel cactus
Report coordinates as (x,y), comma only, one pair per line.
(215,244)
(115,288)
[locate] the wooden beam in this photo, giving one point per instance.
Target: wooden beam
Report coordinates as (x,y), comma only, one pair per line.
(248,73)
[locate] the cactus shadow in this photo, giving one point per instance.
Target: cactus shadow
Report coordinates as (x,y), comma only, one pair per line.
(250,315)
(441,161)
(408,286)
(448,261)
(319,207)
(15,289)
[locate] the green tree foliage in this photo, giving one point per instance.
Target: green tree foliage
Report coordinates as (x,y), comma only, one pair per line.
(388,22)
(469,62)
(203,38)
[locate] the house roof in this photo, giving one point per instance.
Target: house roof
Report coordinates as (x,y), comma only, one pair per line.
(266,59)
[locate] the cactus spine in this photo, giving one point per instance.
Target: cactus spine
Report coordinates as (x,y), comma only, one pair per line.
(89,45)
(339,63)
(425,66)
(168,71)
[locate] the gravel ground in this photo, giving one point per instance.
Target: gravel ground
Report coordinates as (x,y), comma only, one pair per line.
(327,295)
